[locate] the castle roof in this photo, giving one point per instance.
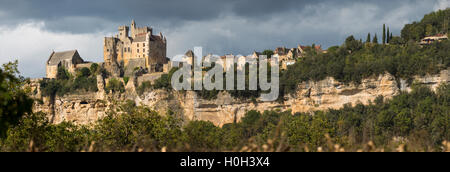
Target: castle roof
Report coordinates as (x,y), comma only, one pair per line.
(57,57)
(140,39)
(155,37)
(189,53)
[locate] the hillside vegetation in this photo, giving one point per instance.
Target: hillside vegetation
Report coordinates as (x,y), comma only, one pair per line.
(418,121)
(431,24)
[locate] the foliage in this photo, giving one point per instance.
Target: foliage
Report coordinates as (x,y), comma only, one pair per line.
(95,68)
(126,79)
(85,80)
(35,129)
(431,24)
(63,74)
(115,85)
(144,87)
(83,72)
(14,102)
(268,53)
(345,65)
(163,82)
(418,120)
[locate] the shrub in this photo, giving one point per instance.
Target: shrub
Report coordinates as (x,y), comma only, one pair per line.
(126,79)
(62,74)
(144,87)
(84,72)
(115,86)
(163,82)
(95,70)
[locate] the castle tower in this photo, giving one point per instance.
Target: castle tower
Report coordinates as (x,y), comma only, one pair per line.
(123,32)
(133,28)
(110,56)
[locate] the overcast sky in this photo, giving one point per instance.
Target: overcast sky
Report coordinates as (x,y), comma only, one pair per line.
(30,30)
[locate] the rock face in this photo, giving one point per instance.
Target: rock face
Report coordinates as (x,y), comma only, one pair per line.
(311,96)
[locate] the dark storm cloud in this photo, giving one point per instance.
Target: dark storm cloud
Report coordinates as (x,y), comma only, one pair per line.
(81,16)
(72,14)
(78,15)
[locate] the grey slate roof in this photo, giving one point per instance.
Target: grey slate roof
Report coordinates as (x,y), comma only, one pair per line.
(57,57)
(189,53)
(140,39)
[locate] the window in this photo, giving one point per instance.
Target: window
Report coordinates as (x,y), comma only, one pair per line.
(144,44)
(129,49)
(137,44)
(143,50)
(138,50)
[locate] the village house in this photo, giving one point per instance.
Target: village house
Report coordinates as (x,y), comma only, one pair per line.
(431,39)
(70,60)
(288,57)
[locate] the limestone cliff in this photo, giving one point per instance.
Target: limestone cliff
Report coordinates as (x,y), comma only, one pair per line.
(311,96)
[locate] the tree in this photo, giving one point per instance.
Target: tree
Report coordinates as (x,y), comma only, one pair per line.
(375,39)
(384,33)
(396,40)
(84,72)
(268,53)
(429,30)
(62,74)
(352,44)
(163,82)
(203,135)
(14,102)
(368,38)
(115,86)
(387,36)
(94,69)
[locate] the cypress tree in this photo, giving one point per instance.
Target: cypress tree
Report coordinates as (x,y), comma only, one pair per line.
(388,39)
(384,33)
(368,38)
(375,39)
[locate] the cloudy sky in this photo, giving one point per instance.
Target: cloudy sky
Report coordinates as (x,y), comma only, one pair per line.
(30,30)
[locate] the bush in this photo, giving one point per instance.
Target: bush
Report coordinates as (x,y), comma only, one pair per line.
(126,79)
(62,74)
(144,87)
(70,86)
(115,86)
(163,82)
(83,72)
(95,69)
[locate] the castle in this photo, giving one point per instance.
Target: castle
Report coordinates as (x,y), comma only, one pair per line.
(141,49)
(123,54)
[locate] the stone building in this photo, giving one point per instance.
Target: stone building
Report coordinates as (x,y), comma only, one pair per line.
(288,57)
(67,59)
(435,38)
(141,49)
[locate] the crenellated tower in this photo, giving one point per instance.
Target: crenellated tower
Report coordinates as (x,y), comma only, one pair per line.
(138,49)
